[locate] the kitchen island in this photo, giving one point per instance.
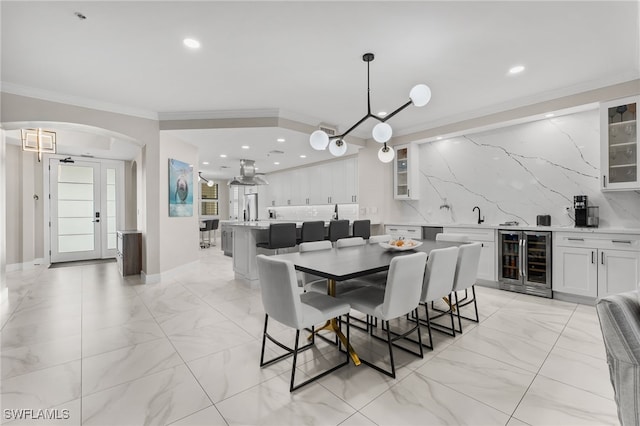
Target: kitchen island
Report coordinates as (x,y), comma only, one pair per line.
(245,237)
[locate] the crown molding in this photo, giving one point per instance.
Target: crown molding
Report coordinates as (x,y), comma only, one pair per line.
(219,115)
(48,95)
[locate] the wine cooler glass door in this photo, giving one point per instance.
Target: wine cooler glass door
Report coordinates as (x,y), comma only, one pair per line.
(510,257)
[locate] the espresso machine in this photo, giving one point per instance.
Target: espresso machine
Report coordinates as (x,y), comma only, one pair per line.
(586,216)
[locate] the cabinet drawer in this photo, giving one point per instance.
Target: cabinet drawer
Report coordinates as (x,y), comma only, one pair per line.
(599,241)
(413,232)
(475,234)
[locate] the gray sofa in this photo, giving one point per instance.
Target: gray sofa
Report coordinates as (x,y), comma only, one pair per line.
(620,324)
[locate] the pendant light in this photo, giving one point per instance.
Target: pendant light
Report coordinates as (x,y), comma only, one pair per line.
(419,95)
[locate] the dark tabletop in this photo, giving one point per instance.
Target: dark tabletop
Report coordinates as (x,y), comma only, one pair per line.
(351,262)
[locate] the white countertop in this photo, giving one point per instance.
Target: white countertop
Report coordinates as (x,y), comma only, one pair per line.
(523,227)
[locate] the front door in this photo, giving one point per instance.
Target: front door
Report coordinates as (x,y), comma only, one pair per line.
(82,210)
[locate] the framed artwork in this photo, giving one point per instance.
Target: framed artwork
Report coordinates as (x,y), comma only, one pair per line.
(180,189)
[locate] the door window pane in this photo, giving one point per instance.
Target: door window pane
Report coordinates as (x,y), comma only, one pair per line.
(75,226)
(75,174)
(75,208)
(75,191)
(70,243)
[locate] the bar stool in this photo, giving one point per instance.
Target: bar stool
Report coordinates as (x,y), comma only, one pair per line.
(338,229)
(312,231)
(281,235)
(205,229)
(214,228)
(362,228)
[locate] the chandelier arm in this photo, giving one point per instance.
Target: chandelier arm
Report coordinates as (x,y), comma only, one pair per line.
(362,120)
(395,112)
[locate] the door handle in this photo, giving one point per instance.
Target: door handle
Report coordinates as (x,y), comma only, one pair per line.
(593,257)
(602,258)
(524,257)
(604,180)
(95,220)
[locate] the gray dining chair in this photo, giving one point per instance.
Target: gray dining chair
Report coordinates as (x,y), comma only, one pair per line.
(438,284)
(350,242)
(400,297)
(306,279)
(466,276)
(283,303)
(375,239)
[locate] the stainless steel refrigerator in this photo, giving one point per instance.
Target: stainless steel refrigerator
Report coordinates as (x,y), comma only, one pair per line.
(251,207)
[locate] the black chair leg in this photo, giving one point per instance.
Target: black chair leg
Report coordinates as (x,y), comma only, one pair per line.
(295,359)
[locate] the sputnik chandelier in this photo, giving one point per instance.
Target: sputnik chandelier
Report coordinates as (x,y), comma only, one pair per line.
(419,96)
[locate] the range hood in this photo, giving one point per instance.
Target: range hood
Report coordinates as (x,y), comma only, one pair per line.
(248,176)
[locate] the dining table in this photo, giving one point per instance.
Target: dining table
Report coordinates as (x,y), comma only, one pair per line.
(341,264)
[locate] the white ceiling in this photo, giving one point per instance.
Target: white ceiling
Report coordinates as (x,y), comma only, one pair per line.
(303,60)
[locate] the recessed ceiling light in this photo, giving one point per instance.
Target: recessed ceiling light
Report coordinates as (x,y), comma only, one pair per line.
(223,155)
(245,146)
(277,163)
(382,113)
(206,163)
(549,115)
(517,69)
(439,138)
(191,43)
(255,168)
(303,156)
(281,139)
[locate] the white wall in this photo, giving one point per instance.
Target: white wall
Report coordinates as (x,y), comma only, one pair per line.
(13,210)
(516,173)
(3,220)
(179,238)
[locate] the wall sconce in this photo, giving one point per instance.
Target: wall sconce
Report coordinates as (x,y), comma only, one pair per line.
(38,140)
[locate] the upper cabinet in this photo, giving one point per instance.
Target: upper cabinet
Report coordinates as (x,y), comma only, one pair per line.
(619,145)
(334,182)
(406,173)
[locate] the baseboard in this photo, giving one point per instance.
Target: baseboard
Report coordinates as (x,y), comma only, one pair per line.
(574,298)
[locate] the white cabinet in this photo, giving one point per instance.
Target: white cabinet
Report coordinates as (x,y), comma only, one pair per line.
(396,231)
(334,182)
(595,265)
(406,173)
(487,237)
(620,155)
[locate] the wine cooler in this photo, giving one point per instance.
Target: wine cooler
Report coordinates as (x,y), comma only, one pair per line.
(525,262)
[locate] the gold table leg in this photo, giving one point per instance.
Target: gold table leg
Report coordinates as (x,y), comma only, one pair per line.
(332,325)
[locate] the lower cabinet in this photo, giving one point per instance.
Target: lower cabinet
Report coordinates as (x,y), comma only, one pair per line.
(487,237)
(226,240)
(595,266)
(129,252)
(404,231)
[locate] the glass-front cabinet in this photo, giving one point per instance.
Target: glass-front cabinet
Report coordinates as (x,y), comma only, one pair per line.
(619,139)
(405,172)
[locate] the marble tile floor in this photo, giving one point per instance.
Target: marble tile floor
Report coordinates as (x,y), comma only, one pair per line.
(98,349)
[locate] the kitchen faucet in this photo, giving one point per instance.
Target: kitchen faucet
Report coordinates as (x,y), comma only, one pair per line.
(479,220)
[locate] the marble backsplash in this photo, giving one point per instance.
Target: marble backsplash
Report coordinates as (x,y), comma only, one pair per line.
(515,173)
(315,212)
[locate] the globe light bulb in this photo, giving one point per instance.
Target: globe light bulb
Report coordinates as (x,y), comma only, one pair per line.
(210,183)
(420,95)
(319,140)
(386,154)
(337,147)
(382,132)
